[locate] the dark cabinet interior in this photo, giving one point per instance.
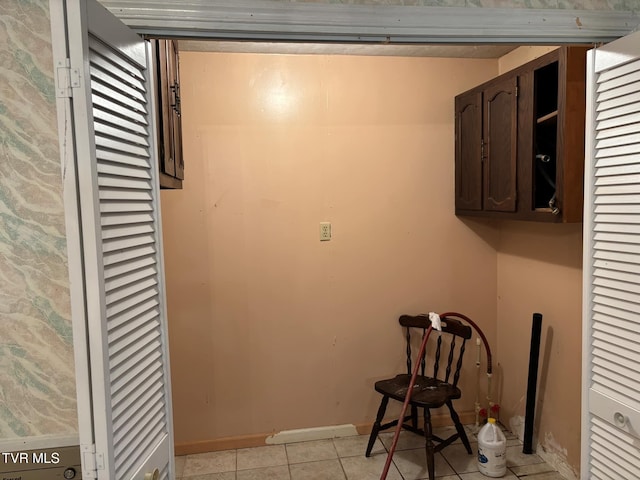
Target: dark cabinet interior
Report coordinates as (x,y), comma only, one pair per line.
(169,115)
(520,141)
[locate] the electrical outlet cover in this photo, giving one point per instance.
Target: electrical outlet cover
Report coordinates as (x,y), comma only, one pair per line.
(325,231)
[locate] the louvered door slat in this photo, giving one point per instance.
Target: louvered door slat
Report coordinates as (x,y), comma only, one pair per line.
(626,169)
(129,277)
(608,358)
(619,111)
(121,146)
(617,180)
(126,455)
(125,296)
(128,255)
(117,270)
(617,131)
(611,442)
(615,301)
(621,120)
(618,247)
(108,118)
(122,135)
(118,331)
(123,398)
(603,312)
(617,161)
(104,104)
(624,74)
(115,193)
(129,315)
(115,83)
(602,192)
(615,151)
(120,231)
(103,59)
(618,285)
(149,397)
(602,274)
(134,366)
(125,206)
(604,338)
(617,218)
(124,218)
(118,244)
(118,307)
(120,158)
(626,91)
(618,140)
(122,101)
(614,199)
(616,98)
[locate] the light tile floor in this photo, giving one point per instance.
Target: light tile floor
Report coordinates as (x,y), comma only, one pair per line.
(343,459)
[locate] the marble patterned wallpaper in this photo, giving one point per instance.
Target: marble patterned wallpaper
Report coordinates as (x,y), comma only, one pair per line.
(37,381)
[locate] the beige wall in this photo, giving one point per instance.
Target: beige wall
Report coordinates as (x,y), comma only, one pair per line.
(271,329)
(540,270)
(262,313)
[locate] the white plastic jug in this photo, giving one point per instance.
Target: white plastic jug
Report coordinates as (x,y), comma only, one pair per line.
(492,450)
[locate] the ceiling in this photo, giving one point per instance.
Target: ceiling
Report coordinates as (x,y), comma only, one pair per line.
(449,51)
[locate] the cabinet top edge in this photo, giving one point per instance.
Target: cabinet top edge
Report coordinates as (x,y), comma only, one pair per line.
(558,55)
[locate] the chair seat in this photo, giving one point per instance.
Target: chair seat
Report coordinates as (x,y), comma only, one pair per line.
(427,391)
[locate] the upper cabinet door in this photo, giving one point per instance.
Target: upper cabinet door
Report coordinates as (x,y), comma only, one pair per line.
(500,145)
(469,151)
(130,436)
(169,115)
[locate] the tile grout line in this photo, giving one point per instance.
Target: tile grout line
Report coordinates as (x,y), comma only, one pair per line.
(344,473)
(286,455)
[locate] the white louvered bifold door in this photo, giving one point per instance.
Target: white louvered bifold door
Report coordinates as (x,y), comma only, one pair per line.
(611,328)
(122,253)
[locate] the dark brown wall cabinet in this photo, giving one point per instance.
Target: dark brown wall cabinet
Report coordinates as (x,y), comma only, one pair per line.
(520,142)
(169,121)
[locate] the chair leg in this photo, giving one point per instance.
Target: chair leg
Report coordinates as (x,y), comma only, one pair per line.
(459,427)
(376,426)
(429,447)
(414,416)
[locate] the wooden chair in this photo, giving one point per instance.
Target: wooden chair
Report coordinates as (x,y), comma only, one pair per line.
(429,392)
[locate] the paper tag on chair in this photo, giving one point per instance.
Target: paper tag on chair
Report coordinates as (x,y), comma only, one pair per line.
(435,321)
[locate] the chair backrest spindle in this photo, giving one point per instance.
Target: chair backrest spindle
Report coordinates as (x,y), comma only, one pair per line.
(409,372)
(423,362)
(436,362)
(452,350)
(452,328)
(456,376)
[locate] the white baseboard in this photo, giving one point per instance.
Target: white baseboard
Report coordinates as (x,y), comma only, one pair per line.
(317,433)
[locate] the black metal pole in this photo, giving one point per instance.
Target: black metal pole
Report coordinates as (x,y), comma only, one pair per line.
(534,354)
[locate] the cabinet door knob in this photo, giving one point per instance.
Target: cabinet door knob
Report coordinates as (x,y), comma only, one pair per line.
(619,419)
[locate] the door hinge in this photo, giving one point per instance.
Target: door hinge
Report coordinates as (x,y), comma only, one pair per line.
(67,78)
(91,461)
(517,91)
